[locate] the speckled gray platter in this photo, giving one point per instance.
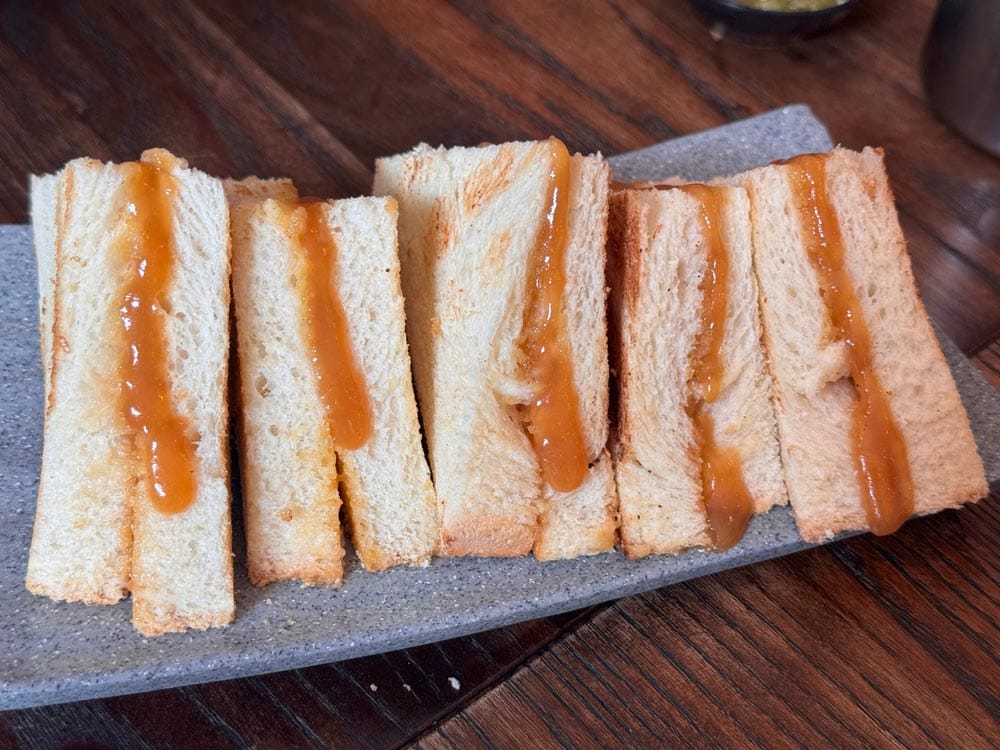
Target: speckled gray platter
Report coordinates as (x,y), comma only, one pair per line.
(51,653)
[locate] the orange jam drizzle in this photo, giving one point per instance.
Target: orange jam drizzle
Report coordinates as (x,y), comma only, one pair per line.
(728,505)
(163,436)
(879,449)
(552,414)
(339,380)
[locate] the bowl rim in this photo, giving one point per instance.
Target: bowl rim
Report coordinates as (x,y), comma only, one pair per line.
(736,6)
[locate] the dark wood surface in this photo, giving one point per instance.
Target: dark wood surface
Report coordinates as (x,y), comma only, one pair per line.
(889,642)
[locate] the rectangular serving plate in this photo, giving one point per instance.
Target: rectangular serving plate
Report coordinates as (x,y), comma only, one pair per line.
(56,652)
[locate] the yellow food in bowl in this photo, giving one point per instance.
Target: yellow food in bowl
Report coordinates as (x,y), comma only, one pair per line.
(790,6)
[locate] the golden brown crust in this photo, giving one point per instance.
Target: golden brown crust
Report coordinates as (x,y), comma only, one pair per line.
(486,539)
(632,550)
(252,190)
(224,416)
(58,340)
(375,559)
(152,624)
(85,595)
(625,226)
(328,573)
(635,550)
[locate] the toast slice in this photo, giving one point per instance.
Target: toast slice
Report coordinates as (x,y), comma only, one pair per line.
(661,263)
(818,199)
(471,221)
(289,457)
(288,466)
(104,523)
(81,548)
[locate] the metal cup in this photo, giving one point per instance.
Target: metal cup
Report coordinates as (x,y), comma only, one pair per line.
(961,69)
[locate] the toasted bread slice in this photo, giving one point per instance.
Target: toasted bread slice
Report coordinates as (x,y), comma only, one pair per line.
(289,459)
(81,549)
(288,466)
(809,360)
(97,532)
(182,570)
(658,258)
(469,218)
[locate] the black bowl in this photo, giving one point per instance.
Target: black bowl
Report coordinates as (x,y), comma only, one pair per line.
(731,19)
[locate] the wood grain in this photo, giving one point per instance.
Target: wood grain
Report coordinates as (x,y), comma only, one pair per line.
(988,362)
(869,642)
(778,655)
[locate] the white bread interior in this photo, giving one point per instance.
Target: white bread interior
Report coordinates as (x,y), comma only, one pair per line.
(657,262)
(469,218)
(289,461)
(809,363)
(96,531)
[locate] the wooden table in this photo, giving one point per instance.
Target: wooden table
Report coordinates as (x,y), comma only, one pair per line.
(889,642)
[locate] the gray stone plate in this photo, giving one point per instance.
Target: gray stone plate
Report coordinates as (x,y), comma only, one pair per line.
(51,653)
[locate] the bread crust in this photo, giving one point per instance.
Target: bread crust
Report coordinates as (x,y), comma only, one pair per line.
(625,224)
(625,221)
